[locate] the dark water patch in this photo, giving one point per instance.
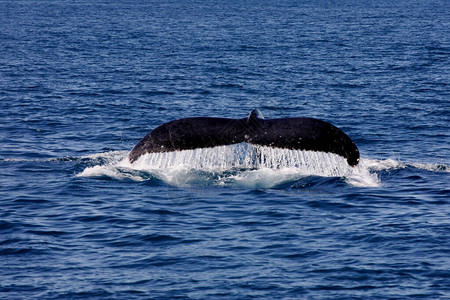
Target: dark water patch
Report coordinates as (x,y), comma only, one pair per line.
(5,225)
(21,251)
(157,93)
(16,290)
(31,200)
(84,94)
(10,241)
(333,206)
(348,86)
(47,233)
(226,86)
(302,255)
(157,238)
(161,211)
(94,219)
(134,240)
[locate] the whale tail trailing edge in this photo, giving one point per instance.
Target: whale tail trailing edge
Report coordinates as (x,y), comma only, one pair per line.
(289,133)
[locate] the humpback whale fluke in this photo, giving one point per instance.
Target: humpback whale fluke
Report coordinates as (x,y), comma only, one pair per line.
(289,133)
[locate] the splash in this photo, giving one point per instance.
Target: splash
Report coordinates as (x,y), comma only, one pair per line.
(246,156)
(242,165)
(393,164)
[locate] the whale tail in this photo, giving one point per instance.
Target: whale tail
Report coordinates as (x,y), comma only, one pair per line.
(289,133)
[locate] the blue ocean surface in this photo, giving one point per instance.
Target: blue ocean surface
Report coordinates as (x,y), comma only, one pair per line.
(81,82)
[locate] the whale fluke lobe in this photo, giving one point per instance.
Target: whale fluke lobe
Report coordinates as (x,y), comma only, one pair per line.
(288,133)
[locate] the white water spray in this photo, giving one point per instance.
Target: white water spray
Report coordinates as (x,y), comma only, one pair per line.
(241,165)
(255,165)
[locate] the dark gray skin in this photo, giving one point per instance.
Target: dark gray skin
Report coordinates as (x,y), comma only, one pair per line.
(288,133)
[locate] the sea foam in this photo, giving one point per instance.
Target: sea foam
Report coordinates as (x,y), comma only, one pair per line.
(242,165)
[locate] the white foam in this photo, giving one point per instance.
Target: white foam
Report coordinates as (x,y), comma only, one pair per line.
(394,164)
(113,164)
(363,176)
(259,166)
(110,155)
(382,165)
(431,167)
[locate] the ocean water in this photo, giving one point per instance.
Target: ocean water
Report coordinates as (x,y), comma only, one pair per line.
(81,82)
